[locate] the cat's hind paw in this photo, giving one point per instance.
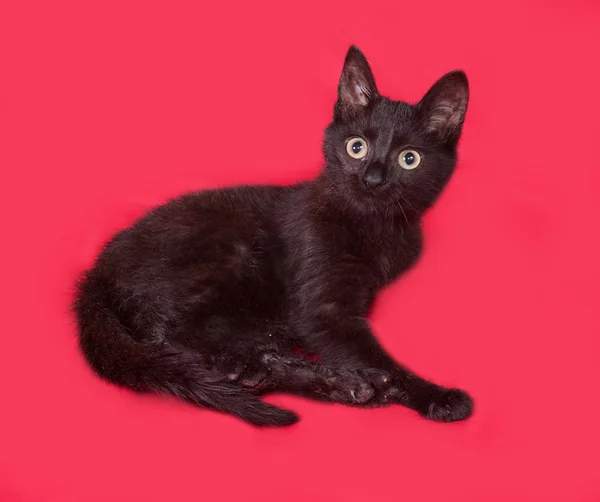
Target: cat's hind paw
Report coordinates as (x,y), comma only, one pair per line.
(349,387)
(252,374)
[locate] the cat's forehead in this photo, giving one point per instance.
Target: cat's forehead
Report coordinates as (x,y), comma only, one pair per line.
(388,123)
(387,120)
(390,114)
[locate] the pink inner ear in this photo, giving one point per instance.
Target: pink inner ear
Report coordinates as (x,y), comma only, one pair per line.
(362,94)
(356,91)
(357,86)
(445,116)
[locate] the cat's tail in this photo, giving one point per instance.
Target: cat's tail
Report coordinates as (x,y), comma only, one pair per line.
(163,367)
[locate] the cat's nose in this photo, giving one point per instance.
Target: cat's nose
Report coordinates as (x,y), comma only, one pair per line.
(374,175)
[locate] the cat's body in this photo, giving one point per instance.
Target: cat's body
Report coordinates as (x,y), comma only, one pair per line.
(219,296)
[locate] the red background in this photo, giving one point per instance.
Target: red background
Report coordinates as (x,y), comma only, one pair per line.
(108,108)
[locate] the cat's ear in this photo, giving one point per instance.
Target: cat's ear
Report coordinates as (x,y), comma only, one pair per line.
(444,106)
(356,90)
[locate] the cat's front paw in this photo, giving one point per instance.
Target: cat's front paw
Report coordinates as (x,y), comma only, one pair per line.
(448,405)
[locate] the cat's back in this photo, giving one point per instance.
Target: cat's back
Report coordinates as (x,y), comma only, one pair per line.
(226,205)
(196,230)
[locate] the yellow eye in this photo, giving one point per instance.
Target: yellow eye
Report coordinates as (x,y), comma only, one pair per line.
(356,148)
(409,159)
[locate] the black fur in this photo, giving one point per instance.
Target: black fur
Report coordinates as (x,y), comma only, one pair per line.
(221,296)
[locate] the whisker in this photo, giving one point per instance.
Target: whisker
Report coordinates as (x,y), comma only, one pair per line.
(403,213)
(408,203)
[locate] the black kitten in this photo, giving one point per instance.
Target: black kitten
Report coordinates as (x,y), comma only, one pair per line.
(220,296)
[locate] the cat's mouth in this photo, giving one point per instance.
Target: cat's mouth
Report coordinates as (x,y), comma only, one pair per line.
(385,199)
(373,194)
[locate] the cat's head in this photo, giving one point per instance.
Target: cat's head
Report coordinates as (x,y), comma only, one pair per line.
(389,155)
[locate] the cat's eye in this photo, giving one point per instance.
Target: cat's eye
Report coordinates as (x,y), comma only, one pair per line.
(356,148)
(409,159)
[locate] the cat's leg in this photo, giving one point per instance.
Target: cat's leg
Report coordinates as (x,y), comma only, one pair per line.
(267,371)
(349,343)
(267,364)
(299,376)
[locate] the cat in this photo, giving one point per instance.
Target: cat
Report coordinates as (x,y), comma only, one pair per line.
(221,296)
